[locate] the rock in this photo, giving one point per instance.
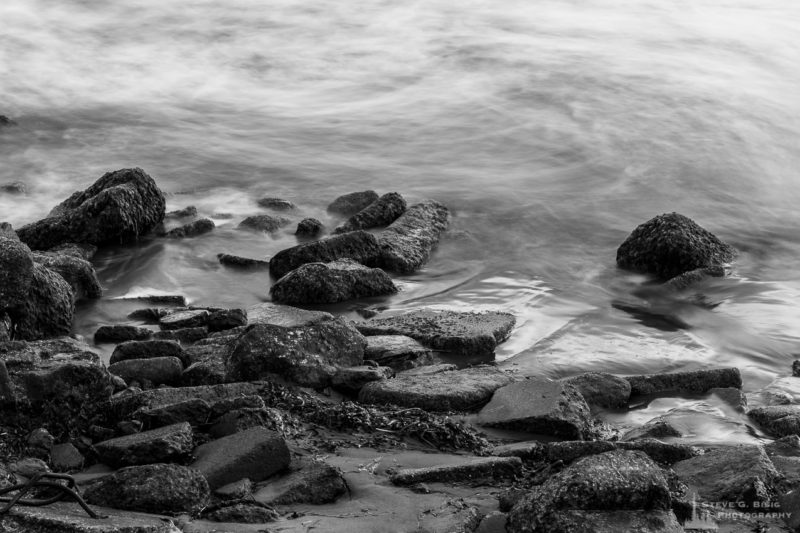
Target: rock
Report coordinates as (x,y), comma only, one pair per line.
(397,352)
(148,349)
(7,395)
(612,482)
(324,283)
(48,307)
(162,445)
(240,512)
(671,244)
(81,251)
(256,454)
(350,204)
(279,204)
(450,331)
(484,469)
(41,440)
(63,517)
(569,451)
(407,244)
(350,380)
(359,246)
(186,212)
(315,483)
(158,370)
(242,262)
(736,475)
(308,355)
(235,491)
(28,467)
(429,370)
(730,395)
(379,213)
(194,411)
(16,274)
(191,318)
(156,488)
(784,454)
(30,354)
(265,223)
(494,522)
(184,335)
(238,420)
(15,187)
(284,315)
(67,384)
(79,273)
(226,319)
(539,406)
(118,208)
(458,390)
(657,428)
(695,382)
(66,458)
(120,333)
(777,420)
(309,228)
(192,229)
(176,300)
(602,390)
(687,279)
(796,368)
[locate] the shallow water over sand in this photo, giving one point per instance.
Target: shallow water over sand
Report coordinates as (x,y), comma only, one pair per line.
(550,129)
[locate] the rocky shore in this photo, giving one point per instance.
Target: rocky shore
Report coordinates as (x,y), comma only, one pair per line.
(280,418)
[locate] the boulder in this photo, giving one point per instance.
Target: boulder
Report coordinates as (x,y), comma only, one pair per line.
(256,454)
(66,458)
(264,223)
(48,307)
(671,244)
(148,349)
(602,390)
(308,355)
(379,213)
(457,390)
(397,352)
(777,420)
(157,370)
(741,475)
(156,488)
(66,382)
(16,274)
(352,203)
(325,283)
(284,315)
(190,318)
(462,333)
(694,382)
(192,229)
(539,406)
(63,517)
(309,228)
(611,482)
(359,246)
(407,244)
(278,204)
(242,262)
(484,469)
(121,333)
(314,482)
(162,445)
(118,208)
(79,273)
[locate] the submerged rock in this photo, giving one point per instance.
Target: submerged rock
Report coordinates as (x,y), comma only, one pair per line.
(604,493)
(193,229)
(359,246)
(15,187)
(449,331)
(407,244)
(162,445)
(352,203)
(186,212)
(279,204)
(309,228)
(539,406)
(324,283)
(693,382)
(156,488)
(671,244)
(118,208)
(265,223)
(457,390)
(308,355)
(48,307)
(381,212)
(242,262)
(79,273)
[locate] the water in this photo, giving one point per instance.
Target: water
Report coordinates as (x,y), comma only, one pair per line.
(551,129)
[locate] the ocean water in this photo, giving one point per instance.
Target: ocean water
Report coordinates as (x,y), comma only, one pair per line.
(551,129)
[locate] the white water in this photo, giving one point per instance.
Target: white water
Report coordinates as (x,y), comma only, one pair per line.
(551,129)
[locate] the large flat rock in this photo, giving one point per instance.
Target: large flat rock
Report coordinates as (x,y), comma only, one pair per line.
(693,382)
(256,454)
(539,406)
(160,445)
(457,390)
(68,517)
(450,331)
(327,283)
(284,315)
